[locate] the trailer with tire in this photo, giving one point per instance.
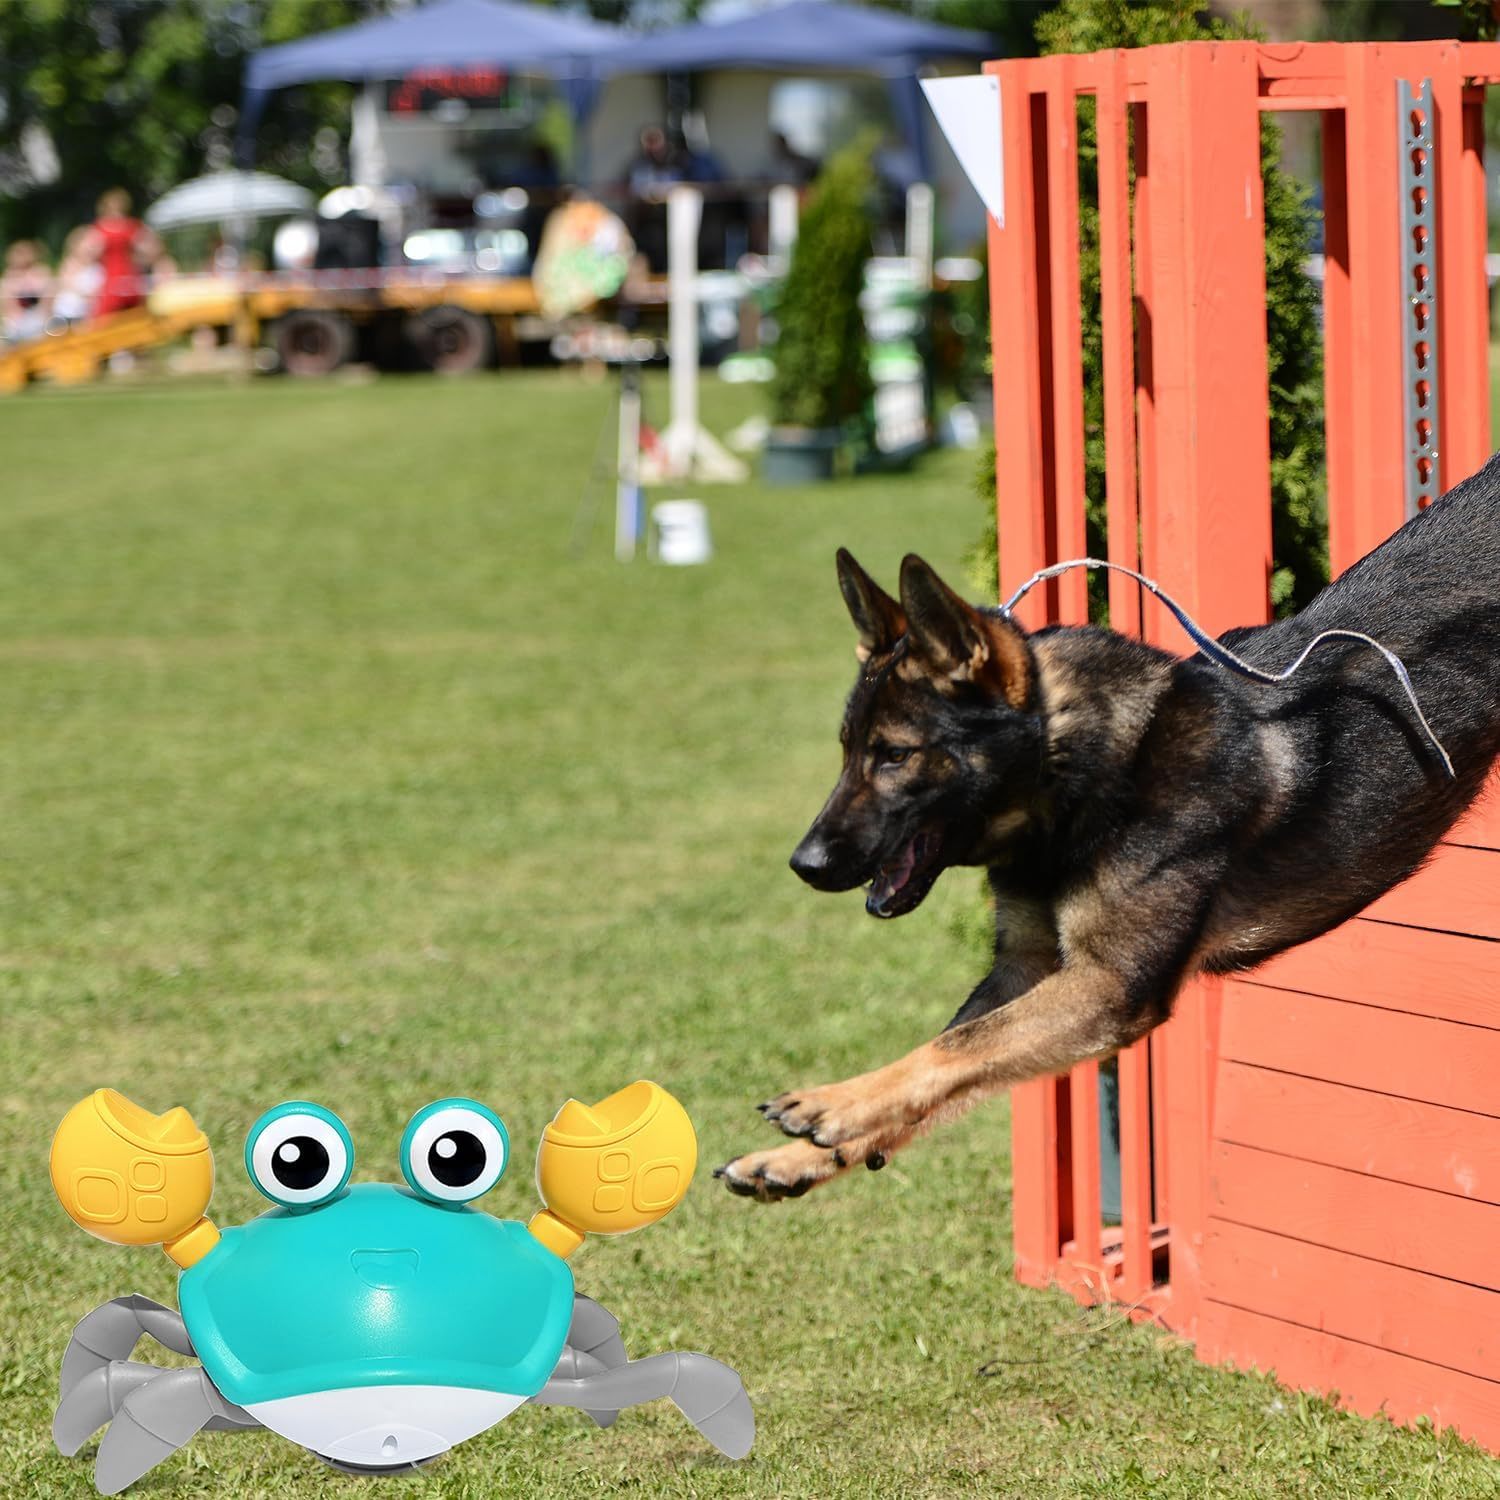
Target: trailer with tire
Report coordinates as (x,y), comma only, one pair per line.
(304,324)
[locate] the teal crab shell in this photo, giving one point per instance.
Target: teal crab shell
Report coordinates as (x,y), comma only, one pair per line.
(377,1287)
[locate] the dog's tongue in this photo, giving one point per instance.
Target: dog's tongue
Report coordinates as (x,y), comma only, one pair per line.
(891,877)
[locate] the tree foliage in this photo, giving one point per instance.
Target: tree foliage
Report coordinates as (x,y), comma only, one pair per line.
(1011,22)
(1294,339)
(143,94)
(822,375)
(1479,19)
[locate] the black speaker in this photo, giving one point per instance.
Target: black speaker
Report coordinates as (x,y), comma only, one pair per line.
(348,243)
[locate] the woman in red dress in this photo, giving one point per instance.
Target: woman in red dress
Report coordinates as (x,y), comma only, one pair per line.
(124,247)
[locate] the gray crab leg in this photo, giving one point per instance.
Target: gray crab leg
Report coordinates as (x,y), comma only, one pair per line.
(155,1420)
(93,1400)
(594,1335)
(110,1332)
(596,1331)
(709,1394)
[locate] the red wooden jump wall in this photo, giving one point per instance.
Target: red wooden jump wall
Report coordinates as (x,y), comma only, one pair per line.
(1310,1153)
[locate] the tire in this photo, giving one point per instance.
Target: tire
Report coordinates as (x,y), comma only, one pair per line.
(313,342)
(451,340)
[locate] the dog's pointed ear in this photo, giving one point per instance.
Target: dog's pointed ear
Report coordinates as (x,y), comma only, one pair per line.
(877,617)
(957,646)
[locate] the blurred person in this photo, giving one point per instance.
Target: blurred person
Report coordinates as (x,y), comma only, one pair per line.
(694,153)
(653,169)
(25,293)
(788,164)
(79,277)
(538,169)
(125,247)
(654,166)
(701,166)
(724,212)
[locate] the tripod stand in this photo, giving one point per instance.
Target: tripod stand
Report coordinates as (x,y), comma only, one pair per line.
(623,421)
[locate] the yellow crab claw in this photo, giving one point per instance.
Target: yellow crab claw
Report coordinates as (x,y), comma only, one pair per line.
(611,1167)
(135,1178)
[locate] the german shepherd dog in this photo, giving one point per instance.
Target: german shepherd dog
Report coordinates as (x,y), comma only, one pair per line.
(1143,818)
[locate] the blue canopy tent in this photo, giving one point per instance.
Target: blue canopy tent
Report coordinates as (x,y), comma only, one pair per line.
(813,36)
(445,34)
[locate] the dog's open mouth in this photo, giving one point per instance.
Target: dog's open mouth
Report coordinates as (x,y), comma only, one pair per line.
(901,884)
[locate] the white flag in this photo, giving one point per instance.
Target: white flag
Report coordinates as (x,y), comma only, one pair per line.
(968,111)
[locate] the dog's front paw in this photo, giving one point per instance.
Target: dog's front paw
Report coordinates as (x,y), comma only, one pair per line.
(786,1172)
(790,1171)
(842,1113)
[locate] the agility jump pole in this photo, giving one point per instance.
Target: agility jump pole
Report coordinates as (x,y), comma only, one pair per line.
(688,450)
(628,507)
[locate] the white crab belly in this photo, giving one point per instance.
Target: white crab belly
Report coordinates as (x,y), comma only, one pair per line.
(384,1424)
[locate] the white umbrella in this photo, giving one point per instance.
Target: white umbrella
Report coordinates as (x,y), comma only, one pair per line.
(223,197)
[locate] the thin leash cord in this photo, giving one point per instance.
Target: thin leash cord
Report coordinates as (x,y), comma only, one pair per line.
(1222,656)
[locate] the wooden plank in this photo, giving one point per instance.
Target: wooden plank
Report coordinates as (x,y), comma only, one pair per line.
(1474,229)
(1425,1317)
(1143,318)
(1035,1200)
(1116,319)
(1340,377)
(1162,1144)
(1136,1275)
(1475,284)
(1397,968)
(1458,892)
(1016,317)
(1277,98)
(1402,1140)
(1404,1226)
(1480,60)
(1205,500)
(1086,1254)
(1363,1047)
(1067,339)
(1463,290)
(1365,1379)
(1208,530)
(1188,1042)
(1310,65)
(1374,504)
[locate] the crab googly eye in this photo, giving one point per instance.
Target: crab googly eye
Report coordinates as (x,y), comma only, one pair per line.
(454,1151)
(299,1155)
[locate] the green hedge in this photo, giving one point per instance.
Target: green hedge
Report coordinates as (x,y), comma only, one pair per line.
(822,369)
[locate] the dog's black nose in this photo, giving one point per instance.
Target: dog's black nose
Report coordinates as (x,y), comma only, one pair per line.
(811,859)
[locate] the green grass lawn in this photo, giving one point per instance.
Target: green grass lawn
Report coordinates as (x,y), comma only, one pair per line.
(329,772)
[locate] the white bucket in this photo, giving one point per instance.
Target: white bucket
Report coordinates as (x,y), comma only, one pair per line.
(680,532)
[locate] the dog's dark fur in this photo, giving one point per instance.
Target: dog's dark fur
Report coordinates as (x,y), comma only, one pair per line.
(1142,818)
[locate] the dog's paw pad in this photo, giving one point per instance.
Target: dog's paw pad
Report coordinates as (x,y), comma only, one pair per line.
(787,1172)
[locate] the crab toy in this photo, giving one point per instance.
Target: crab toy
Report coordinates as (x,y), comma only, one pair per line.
(376,1325)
